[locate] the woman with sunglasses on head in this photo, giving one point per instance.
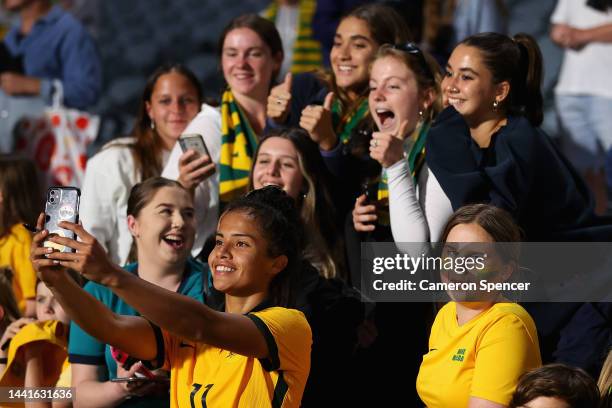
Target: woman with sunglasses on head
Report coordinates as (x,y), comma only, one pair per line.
(480,342)
(256,352)
(404,98)
(251,54)
(333,107)
(487,147)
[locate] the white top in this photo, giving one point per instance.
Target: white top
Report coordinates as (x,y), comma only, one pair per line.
(206,200)
(584,71)
(109,178)
(417,215)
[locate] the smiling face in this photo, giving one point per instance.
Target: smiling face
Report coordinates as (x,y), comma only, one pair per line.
(247,62)
(278,164)
(468,84)
(174,103)
(47,308)
(164,229)
(394,95)
(351,54)
(240,262)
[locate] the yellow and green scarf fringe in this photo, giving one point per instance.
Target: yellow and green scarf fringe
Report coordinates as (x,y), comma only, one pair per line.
(345,123)
(238,145)
(307,53)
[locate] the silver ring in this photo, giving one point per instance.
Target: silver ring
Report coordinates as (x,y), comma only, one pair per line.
(375,143)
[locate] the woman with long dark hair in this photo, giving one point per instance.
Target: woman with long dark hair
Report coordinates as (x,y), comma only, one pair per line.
(290,160)
(170,100)
(487,147)
(333,106)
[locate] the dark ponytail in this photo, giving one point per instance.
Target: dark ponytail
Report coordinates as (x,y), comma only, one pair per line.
(530,95)
(517,60)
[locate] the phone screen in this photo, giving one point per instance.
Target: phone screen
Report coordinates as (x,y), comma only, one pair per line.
(62,204)
(194,142)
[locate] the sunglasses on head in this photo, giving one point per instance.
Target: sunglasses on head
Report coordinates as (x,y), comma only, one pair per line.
(413,49)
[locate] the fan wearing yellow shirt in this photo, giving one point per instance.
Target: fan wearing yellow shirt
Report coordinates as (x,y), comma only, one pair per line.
(479,346)
(36,355)
(255,353)
(19,202)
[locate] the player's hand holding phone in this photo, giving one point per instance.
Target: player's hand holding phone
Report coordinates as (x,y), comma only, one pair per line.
(195,164)
(62,204)
(90,258)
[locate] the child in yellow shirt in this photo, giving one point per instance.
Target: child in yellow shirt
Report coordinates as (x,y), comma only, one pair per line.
(20,200)
(37,355)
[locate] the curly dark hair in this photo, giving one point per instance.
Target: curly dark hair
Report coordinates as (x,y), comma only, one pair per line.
(280,223)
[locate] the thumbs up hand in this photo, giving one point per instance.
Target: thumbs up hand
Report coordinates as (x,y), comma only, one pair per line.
(279,100)
(317,120)
(387,148)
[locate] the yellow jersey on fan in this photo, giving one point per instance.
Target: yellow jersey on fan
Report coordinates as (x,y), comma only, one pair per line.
(481,358)
(206,376)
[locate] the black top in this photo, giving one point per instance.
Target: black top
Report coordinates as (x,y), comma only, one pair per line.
(306,89)
(521,171)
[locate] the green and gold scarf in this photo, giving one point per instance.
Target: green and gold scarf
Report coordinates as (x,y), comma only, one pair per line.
(307,54)
(238,145)
(416,158)
(345,123)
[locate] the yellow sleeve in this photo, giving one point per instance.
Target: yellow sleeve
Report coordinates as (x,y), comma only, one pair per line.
(289,338)
(25,276)
(505,351)
(52,332)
